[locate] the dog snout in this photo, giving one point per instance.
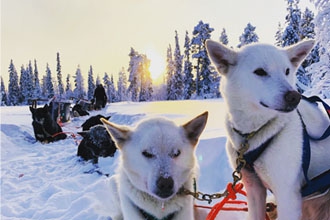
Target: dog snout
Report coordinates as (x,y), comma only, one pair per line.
(292,98)
(164,187)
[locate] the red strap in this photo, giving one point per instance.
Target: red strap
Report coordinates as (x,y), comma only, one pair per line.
(232,191)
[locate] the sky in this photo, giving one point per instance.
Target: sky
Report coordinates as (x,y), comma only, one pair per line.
(100,33)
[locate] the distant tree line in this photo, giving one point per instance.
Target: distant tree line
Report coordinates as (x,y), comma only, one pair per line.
(188,75)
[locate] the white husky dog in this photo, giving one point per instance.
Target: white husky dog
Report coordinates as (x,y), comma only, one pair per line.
(264,109)
(157,160)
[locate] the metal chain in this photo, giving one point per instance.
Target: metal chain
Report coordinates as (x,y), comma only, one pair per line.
(237,175)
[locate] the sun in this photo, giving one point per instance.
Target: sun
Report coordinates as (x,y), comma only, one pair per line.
(157,64)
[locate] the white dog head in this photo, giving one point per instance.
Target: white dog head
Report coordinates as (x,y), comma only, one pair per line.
(158,156)
(259,76)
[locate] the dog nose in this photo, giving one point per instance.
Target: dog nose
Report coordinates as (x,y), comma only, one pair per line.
(164,187)
(292,98)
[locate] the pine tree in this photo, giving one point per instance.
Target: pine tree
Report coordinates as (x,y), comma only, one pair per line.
(224,37)
(146,81)
(188,76)
(79,91)
(320,71)
(59,75)
(3,94)
(278,35)
(291,34)
(169,74)
(107,82)
(91,85)
(134,76)
(36,82)
(307,26)
(68,88)
(112,91)
(249,36)
(201,33)
(13,88)
(49,83)
(177,85)
(26,84)
(122,86)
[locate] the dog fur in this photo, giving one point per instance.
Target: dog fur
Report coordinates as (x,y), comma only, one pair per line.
(78,110)
(258,86)
(44,126)
(96,143)
(92,121)
(157,159)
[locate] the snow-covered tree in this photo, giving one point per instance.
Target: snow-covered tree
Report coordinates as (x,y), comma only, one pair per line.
(13,88)
(79,91)
(68,88)
(140,88)
(3,94)
(26,84)
(36,82)
(134,77)
(320,71)
(91,84)
(170,68)
(188,79)
(291,33)
(49,86)
(59,75)
(201,33)
(146,81)
(307,26)
(122,86)
(249,36)
(223,37)
(177,78)
(278,35)
(109,88)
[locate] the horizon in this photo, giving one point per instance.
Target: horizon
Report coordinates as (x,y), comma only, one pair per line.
(90,34)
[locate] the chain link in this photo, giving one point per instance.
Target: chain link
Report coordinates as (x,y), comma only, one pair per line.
(237,175)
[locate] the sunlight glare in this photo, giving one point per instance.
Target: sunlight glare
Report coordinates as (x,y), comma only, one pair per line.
(157,64)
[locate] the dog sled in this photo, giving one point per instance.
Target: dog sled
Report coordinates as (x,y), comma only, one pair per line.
(60,109)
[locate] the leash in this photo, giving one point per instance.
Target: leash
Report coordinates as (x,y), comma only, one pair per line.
(73,135)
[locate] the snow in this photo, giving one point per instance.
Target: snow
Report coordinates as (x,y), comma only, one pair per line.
(46,181)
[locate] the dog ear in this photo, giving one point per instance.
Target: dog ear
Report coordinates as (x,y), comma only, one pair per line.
(31,109)
(195,127)
(83,133)
(221,56)
(119,134)
(299,51)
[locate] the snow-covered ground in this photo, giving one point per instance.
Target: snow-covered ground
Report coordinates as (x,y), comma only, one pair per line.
(46,181)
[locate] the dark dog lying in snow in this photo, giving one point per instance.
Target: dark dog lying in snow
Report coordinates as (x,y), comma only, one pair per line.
(92,121)
(96,143)
(44,125)
(78,110)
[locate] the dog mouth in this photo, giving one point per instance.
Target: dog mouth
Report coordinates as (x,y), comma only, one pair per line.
(286,109)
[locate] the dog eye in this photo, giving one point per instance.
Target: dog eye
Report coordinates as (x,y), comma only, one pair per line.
(148,154)
(175,153)
(287,71)
(260,72)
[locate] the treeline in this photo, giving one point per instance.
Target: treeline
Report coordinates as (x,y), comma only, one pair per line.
(189,74)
